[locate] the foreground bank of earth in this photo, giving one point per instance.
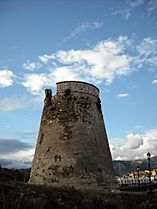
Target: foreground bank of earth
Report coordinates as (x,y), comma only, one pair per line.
(19,195)
(15,193)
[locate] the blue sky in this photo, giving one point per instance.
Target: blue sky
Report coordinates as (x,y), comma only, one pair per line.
(111,44)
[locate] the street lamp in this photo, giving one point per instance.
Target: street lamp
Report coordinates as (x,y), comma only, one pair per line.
(138,172)
(149,176)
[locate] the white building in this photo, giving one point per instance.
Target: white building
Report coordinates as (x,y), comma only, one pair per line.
(131,181)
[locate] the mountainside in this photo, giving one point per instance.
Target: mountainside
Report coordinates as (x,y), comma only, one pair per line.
(122,167)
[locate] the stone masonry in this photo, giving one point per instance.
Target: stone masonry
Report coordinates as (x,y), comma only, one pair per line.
(72,148)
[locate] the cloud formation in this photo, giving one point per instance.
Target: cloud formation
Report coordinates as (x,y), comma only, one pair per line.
(136,146)
(34,83)
(45,58)
(154,82)
(83,27)
(31,66)
(102,63)
(12,146)
(123,95)
(107,60)
(15,153)
(21,159)
(30,134)
(13,103)
(152,6)
(127,8)
(6,78)
(147,50)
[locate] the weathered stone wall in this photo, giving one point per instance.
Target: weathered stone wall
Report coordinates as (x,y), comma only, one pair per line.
(72,147)
(77,87)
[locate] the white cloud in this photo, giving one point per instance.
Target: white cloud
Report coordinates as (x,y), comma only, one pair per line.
(146,53)
(15,153)
(107,60)
(45,58)
(152,6)
(31,66)
(64,74)
(135,146)
(97,25)
(83,27)
(6,78)
(13,103)
(123,95)
(35,82)
(135,3)
(154,82)
(27,135)
(132,141)
(138,126)
(126,8)
(19,159)
(94,65)
(147,47)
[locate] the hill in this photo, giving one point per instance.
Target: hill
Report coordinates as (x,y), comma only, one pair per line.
(121,167)
(14,175)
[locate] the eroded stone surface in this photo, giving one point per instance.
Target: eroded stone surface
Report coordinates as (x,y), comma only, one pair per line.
(72,147)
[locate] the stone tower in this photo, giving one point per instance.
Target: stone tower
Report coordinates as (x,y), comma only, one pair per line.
(72,147)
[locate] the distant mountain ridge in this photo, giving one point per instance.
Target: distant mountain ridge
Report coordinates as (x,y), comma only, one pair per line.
(122,167)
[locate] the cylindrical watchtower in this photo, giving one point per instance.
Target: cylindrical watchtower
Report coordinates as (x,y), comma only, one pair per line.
(72,147)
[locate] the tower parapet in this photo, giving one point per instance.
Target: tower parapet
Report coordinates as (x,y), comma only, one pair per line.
(77,87)
(72,147)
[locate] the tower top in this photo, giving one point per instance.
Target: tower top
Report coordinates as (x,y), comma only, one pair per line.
(77,87)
